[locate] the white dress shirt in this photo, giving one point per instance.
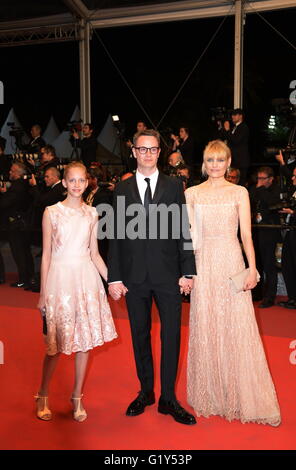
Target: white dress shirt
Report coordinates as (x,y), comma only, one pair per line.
(142,185)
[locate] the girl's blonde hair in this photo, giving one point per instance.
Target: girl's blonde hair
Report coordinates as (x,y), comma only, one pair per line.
(215,148)
(74,165)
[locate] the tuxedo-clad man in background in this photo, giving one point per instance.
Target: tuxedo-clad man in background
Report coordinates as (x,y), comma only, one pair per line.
(47,195)
(152,267)
(36,142)
(88,144)
(14,205)
(238,141)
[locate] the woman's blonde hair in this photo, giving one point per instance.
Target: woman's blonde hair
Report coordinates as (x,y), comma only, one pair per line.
(74,165)
(215,148)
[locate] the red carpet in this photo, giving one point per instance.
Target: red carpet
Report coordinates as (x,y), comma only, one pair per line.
(111,384)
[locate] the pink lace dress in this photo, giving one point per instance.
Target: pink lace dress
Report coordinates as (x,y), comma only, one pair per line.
(228,373)
(78,315)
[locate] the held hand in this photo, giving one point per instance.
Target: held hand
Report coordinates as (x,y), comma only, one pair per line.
(186,285)
(117,290)
(250,282)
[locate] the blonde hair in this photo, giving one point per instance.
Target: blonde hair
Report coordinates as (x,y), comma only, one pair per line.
(215,148)
(74,165)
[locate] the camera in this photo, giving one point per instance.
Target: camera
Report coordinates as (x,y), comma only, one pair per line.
(220,114)
(289,152)
(16,132)
(285,203)
(73,126)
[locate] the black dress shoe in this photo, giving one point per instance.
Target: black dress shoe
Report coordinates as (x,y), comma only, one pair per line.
(174,409)
(291,303)
(266,303)
(138,406)
(35,288)
(18,284)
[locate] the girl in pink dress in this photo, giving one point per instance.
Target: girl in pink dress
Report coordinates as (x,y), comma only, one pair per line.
(228,374)
(73,301)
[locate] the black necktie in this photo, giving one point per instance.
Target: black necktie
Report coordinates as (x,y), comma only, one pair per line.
(147,196)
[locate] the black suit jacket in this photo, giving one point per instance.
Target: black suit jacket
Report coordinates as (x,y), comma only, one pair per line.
(163,260)
(238,143)
(42,198)
(16,200)
(88,147)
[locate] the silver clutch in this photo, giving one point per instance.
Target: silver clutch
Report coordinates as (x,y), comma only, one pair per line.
(238,280)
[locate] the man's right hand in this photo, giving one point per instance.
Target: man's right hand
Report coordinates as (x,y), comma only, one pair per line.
(280,158)
(116,290)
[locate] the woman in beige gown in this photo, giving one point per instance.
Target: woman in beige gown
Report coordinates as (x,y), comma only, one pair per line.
(72,297)
(228,373)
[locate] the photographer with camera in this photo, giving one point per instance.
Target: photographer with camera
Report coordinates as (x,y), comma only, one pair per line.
(15,203)
(264,195)
(237,139)
(289,247)
(88,144)
(52,192)
(48,160)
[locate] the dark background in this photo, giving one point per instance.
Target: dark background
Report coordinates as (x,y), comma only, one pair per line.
(155,59)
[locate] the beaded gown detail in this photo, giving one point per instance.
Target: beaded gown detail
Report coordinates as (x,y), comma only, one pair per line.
(78,315)
(227,371)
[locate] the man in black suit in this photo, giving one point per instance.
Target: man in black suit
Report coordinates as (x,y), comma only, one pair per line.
(14,205)
(52,193)
(238,141)
(152,266)
(88,144)
(36,142)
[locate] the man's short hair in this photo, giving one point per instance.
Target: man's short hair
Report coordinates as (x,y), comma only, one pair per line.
(232,168)
(237,111)
(21,166)
(49,149)
(267,170)
(147,133)
(96,173)
(55,171)
(91,126)
(37,126)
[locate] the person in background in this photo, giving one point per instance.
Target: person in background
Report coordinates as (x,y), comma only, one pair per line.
(233,175)
(15,203)
(238,140)
(289,248)
(88,144)
(263,195)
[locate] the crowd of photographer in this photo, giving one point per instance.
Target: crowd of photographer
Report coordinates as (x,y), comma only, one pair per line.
(28,185)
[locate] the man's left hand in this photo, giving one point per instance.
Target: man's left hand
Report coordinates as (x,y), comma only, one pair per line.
(186,285)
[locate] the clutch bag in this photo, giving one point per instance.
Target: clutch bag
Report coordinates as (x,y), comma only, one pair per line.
(238,280)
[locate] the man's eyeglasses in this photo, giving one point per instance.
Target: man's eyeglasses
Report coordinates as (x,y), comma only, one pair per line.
(144,150)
